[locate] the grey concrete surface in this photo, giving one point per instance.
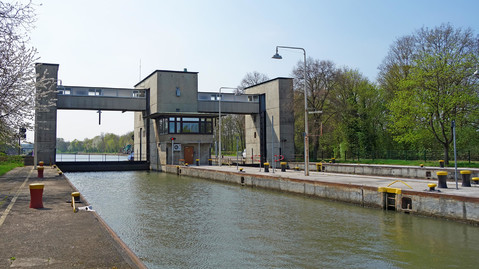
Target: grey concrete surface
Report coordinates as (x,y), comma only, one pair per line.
(53,237)
(408,195)
(373,181)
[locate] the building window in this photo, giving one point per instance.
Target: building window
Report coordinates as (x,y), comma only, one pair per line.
(185,125)
(178,93)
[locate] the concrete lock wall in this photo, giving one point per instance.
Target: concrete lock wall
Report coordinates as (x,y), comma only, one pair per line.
(279,108)
(45,113)
(430,204)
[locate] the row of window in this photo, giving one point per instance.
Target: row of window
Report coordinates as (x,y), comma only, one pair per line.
(185,125)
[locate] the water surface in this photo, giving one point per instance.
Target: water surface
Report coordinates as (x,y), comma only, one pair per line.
(174,221)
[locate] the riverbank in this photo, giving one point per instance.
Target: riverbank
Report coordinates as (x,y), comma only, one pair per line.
(54,236)
(392,193)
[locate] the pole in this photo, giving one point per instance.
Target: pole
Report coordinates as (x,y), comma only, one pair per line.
(306,131)
(172,140)
(272,144)
(237,138)
(306,138)
(455,152)
(219,116)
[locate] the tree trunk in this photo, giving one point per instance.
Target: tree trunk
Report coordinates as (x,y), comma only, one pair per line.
(316,148)
(446,153)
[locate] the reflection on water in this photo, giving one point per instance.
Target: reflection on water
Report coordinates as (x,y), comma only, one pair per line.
(174,221)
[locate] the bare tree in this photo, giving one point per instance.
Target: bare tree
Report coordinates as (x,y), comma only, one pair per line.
(233,125)
(18,78)
(253,78)
(321,80)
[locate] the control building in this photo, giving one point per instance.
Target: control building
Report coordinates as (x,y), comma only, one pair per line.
(173,121)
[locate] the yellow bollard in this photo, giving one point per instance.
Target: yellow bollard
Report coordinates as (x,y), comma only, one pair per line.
(283,166)
(266,167)
(466,178)
(319,167)
(442,179)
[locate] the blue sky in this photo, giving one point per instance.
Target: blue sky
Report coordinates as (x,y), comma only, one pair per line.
(101,43)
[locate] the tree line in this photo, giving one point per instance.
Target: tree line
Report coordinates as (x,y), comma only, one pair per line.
(427,83)
(104,143)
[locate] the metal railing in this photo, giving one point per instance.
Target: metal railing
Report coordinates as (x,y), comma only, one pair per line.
(85,157)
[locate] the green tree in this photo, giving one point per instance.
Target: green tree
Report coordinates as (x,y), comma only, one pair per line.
(358,109)
(438,88)
(62,145)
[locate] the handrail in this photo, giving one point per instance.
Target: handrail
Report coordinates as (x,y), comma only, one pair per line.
(89,157)
(401,182)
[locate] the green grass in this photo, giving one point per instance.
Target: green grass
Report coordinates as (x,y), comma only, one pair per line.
(8,163)
(472,164)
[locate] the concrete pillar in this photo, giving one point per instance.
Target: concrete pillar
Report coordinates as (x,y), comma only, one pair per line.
(45,113)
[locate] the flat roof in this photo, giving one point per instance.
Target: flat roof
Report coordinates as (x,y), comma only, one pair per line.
(164,71)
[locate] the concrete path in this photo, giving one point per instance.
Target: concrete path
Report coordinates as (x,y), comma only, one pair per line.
(53,237)
(419,185)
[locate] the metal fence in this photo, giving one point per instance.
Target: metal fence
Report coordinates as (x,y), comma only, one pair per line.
(72,157)
(406,155)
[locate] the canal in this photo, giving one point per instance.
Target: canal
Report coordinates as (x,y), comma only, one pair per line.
(174,221)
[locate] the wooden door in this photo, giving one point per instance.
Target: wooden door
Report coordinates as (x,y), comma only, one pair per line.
(188,152)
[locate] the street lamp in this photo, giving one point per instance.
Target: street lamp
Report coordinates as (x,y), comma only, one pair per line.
(306,139)
(219,116)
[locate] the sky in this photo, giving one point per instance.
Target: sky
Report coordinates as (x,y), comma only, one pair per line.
(118,43)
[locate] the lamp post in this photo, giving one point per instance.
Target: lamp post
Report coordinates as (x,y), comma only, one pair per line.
(306,139)
(219,116)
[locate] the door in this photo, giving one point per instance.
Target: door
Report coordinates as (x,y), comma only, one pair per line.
(189,155)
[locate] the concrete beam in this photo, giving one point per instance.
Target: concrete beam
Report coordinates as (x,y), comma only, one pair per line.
(101,103)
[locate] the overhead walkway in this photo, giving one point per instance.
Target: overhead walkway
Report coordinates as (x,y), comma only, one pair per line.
(97,98)
(123,99)
(209,102)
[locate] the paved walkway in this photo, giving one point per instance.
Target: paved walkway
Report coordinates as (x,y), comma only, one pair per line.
(53,237)
(419,185)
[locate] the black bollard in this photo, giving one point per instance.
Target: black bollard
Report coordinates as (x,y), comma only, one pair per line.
(283,166)
(266,167)
(466,178)
(442,179)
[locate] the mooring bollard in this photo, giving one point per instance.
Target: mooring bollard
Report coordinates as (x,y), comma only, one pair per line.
(36,195)
(40,163)
(319,167)
(333,160)
(475,180)
(283,166)
(432,186)
(441,179)
(40,171)
(76,197)
(210,161)
(266,167)
(441,163)
(466,178)
(197,162)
